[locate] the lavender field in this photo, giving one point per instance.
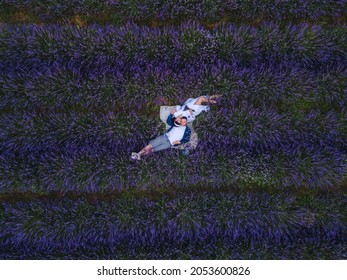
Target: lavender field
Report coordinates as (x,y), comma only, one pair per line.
(81,85)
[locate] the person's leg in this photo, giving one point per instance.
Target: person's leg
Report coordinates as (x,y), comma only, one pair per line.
(165,144)
(157,144)
(160,143)
(154,145)
(146,150)
(207,99)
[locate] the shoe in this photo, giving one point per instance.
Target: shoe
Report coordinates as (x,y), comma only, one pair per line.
(135,156)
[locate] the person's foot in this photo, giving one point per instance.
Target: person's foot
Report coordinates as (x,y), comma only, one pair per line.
(135,156)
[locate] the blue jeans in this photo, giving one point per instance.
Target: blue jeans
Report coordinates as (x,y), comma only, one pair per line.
(160,143)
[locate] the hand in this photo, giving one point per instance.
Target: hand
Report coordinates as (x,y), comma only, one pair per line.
(173,111)
(177,142)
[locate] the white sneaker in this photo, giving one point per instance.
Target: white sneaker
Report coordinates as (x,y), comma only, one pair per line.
(135,156)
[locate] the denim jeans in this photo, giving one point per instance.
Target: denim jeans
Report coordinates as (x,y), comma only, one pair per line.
(160,143)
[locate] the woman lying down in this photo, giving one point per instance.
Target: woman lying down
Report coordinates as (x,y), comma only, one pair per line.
(194,106)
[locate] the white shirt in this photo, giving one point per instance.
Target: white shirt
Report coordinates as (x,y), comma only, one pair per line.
(176,134)
(197,109)
(183,113)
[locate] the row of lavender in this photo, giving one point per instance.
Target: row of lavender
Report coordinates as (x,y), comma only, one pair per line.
(76,102)
(90,152)
(97,50)
(208,10)
(190,225)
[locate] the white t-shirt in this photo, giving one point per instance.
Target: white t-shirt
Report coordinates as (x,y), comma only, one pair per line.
(176,134)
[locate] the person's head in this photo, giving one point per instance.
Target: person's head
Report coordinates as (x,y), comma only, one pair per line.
(177,121)
(184,121)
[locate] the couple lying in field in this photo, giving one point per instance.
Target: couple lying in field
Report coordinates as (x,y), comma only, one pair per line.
(179,125)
